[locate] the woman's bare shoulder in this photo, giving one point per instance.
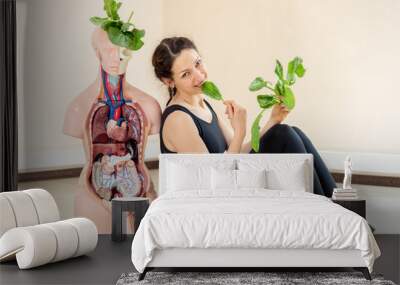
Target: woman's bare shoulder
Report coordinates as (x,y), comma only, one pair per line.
(181,135)
(178,120)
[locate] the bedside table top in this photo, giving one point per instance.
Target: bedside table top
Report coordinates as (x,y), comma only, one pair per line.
(347,200)
(122,199)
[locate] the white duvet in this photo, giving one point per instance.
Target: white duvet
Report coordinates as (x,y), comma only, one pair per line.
(252,218)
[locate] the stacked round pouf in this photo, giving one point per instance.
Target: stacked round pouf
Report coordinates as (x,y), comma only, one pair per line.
(31,230)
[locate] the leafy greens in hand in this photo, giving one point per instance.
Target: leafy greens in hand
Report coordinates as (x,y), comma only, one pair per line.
(280,93)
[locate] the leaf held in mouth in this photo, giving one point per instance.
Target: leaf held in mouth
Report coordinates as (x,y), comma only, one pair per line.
(211,90)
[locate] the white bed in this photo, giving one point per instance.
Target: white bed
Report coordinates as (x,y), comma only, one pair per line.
(203,219)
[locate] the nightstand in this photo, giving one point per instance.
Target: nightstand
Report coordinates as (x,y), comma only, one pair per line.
(138,205)
(357,206)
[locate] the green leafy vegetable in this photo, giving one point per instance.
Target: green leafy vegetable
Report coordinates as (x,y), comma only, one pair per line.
(98,21)
(282,93)
(278,88)
(257,84)
(211,90)
(266,101)
(123,34)
(255,131)
(111,7)
(288,98)
(295,67)
(279,70)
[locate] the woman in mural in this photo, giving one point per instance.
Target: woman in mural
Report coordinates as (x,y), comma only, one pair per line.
(114,120)
(189,124)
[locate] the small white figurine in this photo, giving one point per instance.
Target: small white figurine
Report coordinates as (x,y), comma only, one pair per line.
(347,173)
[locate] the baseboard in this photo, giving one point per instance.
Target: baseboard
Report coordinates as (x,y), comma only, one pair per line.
(59,173)
(360,178)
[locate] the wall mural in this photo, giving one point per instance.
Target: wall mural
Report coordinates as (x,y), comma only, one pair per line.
(114,120)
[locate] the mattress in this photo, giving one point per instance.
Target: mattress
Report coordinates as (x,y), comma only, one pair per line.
(250,219)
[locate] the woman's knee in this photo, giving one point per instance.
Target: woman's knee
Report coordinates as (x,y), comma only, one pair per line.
(292,139)
(303,136)
(298,130)
(282,130)
(281,138)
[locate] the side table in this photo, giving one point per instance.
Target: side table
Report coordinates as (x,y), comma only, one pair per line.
(357,206)
(138,205)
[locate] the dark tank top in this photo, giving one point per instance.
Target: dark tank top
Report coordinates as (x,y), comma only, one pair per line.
(210,133)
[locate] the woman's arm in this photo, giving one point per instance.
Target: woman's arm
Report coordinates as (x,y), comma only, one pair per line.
(234,136)
(246,147)
(180,134)
(278,114)
(234,142)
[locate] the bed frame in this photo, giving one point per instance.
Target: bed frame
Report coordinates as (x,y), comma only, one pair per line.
(250,258)
(256,258)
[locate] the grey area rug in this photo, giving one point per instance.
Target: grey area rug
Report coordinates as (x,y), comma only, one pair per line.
(273,278)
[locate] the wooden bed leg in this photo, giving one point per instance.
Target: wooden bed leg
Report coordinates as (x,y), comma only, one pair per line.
(364,271)
(143,274)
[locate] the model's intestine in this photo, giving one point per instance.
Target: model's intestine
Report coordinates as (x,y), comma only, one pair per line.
(115,178)
(117,136)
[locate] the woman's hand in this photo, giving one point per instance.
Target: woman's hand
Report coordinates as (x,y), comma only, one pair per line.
(279,113)
(237,115)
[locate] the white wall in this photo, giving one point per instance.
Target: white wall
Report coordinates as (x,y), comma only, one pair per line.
(56,62)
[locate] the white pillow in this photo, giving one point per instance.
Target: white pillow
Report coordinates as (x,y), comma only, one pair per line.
(291,178)
(183,177)
(251,178)
(229,179)
(223,179)
(281,174)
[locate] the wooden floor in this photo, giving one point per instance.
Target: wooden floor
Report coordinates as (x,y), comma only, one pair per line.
(111,259)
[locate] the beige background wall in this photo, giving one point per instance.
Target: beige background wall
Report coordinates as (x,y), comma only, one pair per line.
(348,99)
(347,102)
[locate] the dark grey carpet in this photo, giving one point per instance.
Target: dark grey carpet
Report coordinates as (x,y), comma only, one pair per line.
(270,278)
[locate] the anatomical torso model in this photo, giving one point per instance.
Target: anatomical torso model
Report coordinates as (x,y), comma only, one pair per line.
(114,120)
